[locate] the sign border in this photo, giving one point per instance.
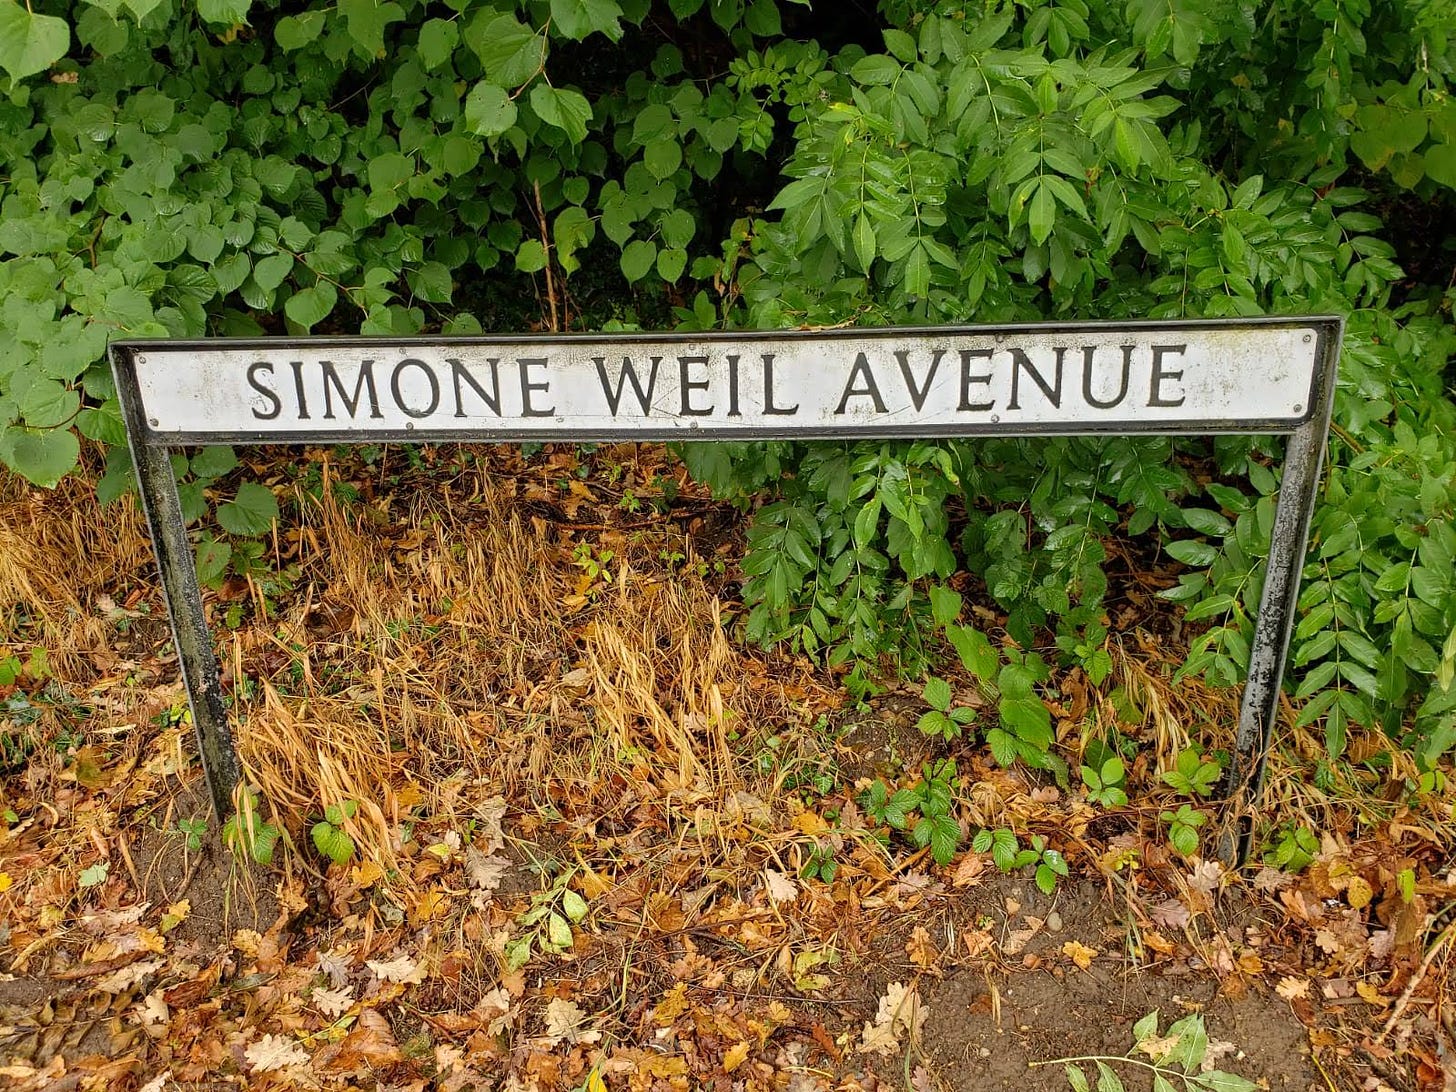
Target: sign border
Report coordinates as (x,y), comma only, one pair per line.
(151,456)
(129,353)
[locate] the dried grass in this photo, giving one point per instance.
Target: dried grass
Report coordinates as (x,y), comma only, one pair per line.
(464,669)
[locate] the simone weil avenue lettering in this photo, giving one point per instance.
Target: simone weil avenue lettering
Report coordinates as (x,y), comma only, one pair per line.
(1271,375)
(889,382)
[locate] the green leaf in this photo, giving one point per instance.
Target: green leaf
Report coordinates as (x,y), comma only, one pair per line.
(42,458)
(1441,163)
(251,512)
(366,20)
(1192,552)
(662,157)
(1107,1080)
(1042,214)
(271,271)
(558,931)
(212,560)
(438,38)
(226,12)
(638,257)
(578,18)
(531,256)
(573,905)
(670,264)
(310,306)
(937,693)
(567,110)
(214,462)
(30,43)
(431,282)
(1077,1079)
(489,111)
(510,52)
(95,875)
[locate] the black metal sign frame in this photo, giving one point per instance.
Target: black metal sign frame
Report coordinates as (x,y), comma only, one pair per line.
(151,450)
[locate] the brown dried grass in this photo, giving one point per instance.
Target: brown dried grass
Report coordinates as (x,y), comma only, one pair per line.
(465,672)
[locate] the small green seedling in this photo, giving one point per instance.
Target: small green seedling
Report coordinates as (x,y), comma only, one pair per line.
(546,926)
(1179,1056)
(1192,774)
(1106,785)
(192,831)
(329,836)
(1183,827)
(1008,856)
(1293,850)
(944,719)
(247,835)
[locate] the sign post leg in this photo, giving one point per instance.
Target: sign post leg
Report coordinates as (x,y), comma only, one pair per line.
(163,507)
(1259,712)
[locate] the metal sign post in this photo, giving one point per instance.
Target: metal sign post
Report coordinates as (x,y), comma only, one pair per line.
(1273,375)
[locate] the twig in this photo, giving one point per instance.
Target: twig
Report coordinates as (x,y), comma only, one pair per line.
(1416,979)
(546,246)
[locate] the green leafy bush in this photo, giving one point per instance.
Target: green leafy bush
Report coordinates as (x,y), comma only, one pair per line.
(394,167)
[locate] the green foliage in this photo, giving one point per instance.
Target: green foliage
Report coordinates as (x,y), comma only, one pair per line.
(1191,773)
(1107,783)
(922,812)
(546,926)
(1008,856)
(1180,1055)
(192,831)
(1292,849)
(944,719)
(1183,827)
(250,166)
(329,836)
(248,836)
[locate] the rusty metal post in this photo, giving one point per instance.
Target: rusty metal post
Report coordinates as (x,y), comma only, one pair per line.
(1288,543)
(157,485)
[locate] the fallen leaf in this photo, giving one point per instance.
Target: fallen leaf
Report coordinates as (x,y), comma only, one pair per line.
(335,965)
(970,871)
(275,1052)
(333,1003)
(564,1024)
(401,969)
(485,871)
(1158,1047)
(900,1013)
(1170,914)
(1079,954)
(1291,987)
(735,1056)
(921,950)
(780,887)
(1206,876)
(176,914)
(124,979)
(1358,892)
(1370,994)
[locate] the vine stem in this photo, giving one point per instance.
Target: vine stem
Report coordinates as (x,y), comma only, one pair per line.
(1106,1059)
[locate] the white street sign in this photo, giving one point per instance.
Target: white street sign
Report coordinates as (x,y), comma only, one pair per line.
(1065,379)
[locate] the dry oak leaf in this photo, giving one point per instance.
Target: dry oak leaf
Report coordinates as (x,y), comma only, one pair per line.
(780,887)
(564,1020)
(1291,987)
(1206,876)
(900,1012)
(485,871)
(335,965)
(1079,954)
(921,950)
(274,1052)
(333,1003)
(401,969)
(124,979)
(1170,914)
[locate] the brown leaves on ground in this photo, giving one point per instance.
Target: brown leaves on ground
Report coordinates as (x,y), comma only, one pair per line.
(579,769)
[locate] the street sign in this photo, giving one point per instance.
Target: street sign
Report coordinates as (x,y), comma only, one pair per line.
(1197,377)
(1266,375)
